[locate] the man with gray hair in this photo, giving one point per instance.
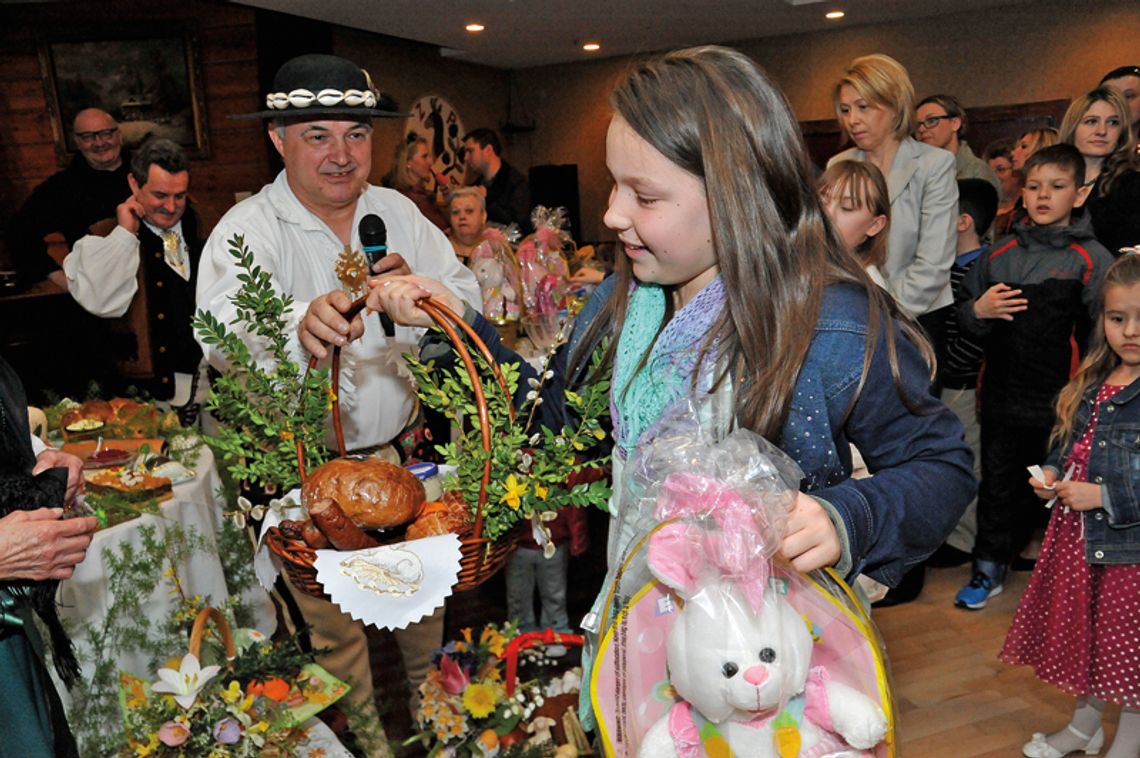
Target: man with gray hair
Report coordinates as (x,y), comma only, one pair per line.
(70,201)
(320,115)
(149,261)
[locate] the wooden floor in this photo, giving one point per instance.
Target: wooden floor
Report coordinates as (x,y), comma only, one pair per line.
(955,699)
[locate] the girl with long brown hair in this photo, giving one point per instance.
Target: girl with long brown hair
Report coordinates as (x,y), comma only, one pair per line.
(1097,124)
(732,279)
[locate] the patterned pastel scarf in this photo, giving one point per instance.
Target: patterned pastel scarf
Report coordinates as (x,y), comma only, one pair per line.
(639,401)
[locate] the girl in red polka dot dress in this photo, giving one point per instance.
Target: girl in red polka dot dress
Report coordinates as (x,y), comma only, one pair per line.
(1078,624)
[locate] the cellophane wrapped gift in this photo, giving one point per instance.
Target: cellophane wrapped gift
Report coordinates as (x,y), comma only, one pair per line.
(708,642)
(494,264)
(544,272)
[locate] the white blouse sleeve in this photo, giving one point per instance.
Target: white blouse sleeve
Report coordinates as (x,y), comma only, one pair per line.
(102,272)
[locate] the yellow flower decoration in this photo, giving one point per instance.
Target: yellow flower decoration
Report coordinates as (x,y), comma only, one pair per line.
(494,641)
(232,693)
(513,493)
(479,700)
(540,491)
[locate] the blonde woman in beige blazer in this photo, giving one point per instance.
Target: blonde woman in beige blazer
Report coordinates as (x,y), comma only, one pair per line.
(874,101)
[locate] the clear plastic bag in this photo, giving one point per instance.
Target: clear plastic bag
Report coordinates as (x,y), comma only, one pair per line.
(706,635)
(493,262)
(542,262)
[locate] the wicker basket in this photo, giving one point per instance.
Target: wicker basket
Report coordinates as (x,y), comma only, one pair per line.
(198,631)
(480,558)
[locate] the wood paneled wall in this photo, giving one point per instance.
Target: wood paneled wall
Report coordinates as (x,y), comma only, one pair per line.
(227,54)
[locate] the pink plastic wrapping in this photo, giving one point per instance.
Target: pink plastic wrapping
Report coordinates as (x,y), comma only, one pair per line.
(708,639)
(497,271)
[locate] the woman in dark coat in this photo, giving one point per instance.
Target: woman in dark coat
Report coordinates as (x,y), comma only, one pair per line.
(37,549)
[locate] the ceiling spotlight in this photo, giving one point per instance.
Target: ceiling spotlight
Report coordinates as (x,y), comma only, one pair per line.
(591,47)
(474,27)
(834,15)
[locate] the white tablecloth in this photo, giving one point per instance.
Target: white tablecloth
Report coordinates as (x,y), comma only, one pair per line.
(196,506)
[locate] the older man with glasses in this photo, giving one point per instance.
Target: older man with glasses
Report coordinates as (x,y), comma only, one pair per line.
(941,122)
(69,202)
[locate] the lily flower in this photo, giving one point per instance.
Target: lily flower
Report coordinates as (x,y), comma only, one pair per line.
(185,683)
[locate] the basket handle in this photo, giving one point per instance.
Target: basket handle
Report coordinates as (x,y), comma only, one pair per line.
(198,631)
(530,639)
(447,320)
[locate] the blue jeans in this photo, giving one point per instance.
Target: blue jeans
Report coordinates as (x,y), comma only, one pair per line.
(528,567)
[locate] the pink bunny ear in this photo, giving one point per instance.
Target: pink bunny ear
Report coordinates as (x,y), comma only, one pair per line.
(674,553)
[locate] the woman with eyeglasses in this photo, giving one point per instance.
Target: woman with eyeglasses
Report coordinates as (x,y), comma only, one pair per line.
(1097,124)
(940,121)
(874,101)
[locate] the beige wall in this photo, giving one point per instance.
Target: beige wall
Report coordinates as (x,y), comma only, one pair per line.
(1027,53)
(409,70)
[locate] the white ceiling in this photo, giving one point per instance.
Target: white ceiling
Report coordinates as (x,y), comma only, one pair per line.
(527,33)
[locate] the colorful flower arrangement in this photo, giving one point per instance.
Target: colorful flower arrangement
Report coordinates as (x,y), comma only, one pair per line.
(464,709)
(252,705)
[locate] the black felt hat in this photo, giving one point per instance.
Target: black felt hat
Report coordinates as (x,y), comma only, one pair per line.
(314,86)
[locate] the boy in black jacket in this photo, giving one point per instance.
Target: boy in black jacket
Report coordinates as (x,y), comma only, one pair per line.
(1026,298)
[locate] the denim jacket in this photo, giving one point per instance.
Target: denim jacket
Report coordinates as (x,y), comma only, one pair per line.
(1112,533)
(923,470)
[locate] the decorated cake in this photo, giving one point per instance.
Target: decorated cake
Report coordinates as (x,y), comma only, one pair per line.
(130,484)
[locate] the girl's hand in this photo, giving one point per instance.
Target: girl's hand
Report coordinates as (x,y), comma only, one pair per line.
(397,296)
(1079,496)
(1000,301)
(1044,489)
(811,541)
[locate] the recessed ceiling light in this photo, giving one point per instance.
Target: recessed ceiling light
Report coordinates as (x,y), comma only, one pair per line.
(474,27)
(834,15)
(591,47)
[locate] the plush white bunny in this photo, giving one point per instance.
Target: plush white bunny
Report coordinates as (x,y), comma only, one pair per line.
(740,655)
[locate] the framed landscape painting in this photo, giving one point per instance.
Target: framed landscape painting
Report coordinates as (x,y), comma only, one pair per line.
(149,81)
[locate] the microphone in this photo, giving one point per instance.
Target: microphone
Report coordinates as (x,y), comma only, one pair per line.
(374,245)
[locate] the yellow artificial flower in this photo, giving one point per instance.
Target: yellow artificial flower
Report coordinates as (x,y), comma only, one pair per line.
(232,693)
(466,632)
(260,726)
(599,434)
(494,641)
(513,493)
(149,747)
(540,491)
(479,700)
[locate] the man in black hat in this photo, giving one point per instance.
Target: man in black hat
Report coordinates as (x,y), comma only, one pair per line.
(321,112)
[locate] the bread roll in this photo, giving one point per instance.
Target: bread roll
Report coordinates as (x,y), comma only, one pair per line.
(449,516)
(373,493)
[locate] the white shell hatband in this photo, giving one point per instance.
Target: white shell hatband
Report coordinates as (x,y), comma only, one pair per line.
(303,98)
